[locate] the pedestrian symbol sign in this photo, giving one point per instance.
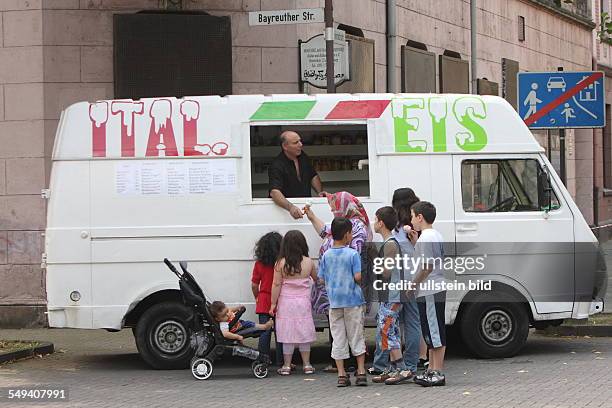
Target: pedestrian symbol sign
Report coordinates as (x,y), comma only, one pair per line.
(561,99)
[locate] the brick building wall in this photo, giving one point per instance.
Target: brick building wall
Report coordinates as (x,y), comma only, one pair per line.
(57,52)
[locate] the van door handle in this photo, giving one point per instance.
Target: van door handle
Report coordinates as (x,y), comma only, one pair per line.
(467,227)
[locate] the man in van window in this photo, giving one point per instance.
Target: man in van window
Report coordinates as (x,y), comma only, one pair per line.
(291,174)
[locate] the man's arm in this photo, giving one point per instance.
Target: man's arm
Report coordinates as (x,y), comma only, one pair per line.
(317,185)
(279,199)
(275,179)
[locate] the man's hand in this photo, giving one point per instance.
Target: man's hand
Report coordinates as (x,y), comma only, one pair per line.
(323,194)
(295,212)
(239,338)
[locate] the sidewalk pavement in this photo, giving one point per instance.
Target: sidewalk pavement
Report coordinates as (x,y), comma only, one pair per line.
(103,369)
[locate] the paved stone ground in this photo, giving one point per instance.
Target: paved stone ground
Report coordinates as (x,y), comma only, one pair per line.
(103,369)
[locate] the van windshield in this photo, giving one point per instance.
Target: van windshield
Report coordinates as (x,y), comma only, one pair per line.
(334,152)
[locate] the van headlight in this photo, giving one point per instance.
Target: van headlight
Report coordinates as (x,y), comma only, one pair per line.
(75,295)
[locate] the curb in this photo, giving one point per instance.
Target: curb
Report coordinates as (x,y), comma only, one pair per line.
(42,349)
(593,331)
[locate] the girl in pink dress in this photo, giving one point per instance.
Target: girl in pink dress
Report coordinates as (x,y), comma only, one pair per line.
(294,274)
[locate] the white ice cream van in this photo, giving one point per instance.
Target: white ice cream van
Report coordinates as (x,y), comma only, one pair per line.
(136,181)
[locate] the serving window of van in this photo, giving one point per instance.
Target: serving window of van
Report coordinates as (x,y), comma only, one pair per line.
(503,186)
(335,152)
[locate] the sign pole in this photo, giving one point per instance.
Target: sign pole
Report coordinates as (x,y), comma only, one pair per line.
(329,46)
(562,149)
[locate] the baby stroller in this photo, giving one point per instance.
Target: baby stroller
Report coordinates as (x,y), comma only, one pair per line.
(206,337)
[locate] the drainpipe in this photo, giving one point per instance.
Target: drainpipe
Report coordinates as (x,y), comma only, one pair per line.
(473,48)
(391,45)
(595,187)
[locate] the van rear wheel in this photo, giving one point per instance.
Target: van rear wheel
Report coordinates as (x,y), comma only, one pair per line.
(162,336)
(494,325)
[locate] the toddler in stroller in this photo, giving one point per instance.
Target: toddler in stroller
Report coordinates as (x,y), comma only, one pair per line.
(231,326)
(207,337)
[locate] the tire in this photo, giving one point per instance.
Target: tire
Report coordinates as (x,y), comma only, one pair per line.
(162,336)
(494,325)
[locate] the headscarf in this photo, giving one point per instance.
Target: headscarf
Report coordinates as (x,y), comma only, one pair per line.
(344,204)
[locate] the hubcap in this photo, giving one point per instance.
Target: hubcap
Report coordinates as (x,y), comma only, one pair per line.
(170,336)
(496,326)
(202,369)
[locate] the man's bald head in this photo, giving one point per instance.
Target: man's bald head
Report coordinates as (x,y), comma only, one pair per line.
(291,143)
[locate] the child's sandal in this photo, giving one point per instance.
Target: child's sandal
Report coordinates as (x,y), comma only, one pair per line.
(308,369)
(284,371)
(361,379)
(343,381)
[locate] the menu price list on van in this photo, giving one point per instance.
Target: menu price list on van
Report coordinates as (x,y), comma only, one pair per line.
(178,177)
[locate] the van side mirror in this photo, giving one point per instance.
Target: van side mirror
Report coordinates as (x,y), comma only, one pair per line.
(544,189)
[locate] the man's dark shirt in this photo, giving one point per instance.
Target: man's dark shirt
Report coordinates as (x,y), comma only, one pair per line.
(283,177)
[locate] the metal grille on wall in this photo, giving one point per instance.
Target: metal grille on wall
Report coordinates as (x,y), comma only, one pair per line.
(172,54)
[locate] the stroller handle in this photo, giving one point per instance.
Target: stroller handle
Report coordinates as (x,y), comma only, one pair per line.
(172,268)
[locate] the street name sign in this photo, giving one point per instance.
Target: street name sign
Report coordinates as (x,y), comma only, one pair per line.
(561,99)
(277,17)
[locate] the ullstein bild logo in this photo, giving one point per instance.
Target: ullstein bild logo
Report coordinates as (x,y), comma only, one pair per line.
(454,285)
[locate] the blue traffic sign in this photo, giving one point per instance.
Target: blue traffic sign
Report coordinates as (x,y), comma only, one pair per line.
(561,99)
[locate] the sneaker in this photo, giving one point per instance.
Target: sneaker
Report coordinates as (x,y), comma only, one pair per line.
(423,364)
(400,377)
(423,378)
(374,371)
(383,376)
(432,379)
(436,379)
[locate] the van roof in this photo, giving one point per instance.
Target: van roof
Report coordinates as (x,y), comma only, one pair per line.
(192,126)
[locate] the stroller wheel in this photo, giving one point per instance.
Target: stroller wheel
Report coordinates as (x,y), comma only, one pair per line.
(201,368)
(260,370)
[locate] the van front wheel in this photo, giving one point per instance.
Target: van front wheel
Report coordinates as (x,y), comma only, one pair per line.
(494,325)
(162,336)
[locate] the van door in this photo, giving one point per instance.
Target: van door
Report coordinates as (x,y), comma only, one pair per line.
(499,214)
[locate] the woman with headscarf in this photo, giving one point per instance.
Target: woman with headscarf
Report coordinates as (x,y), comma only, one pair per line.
(342,204)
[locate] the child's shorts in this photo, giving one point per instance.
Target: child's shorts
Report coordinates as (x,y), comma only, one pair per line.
(388,325)
(433,322)
(346,327)
(243,325)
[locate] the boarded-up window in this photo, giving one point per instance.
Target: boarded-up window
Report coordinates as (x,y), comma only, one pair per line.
(486,87)
(172,54)
(361,63)
(418,70)
(509,70)
(454,75)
